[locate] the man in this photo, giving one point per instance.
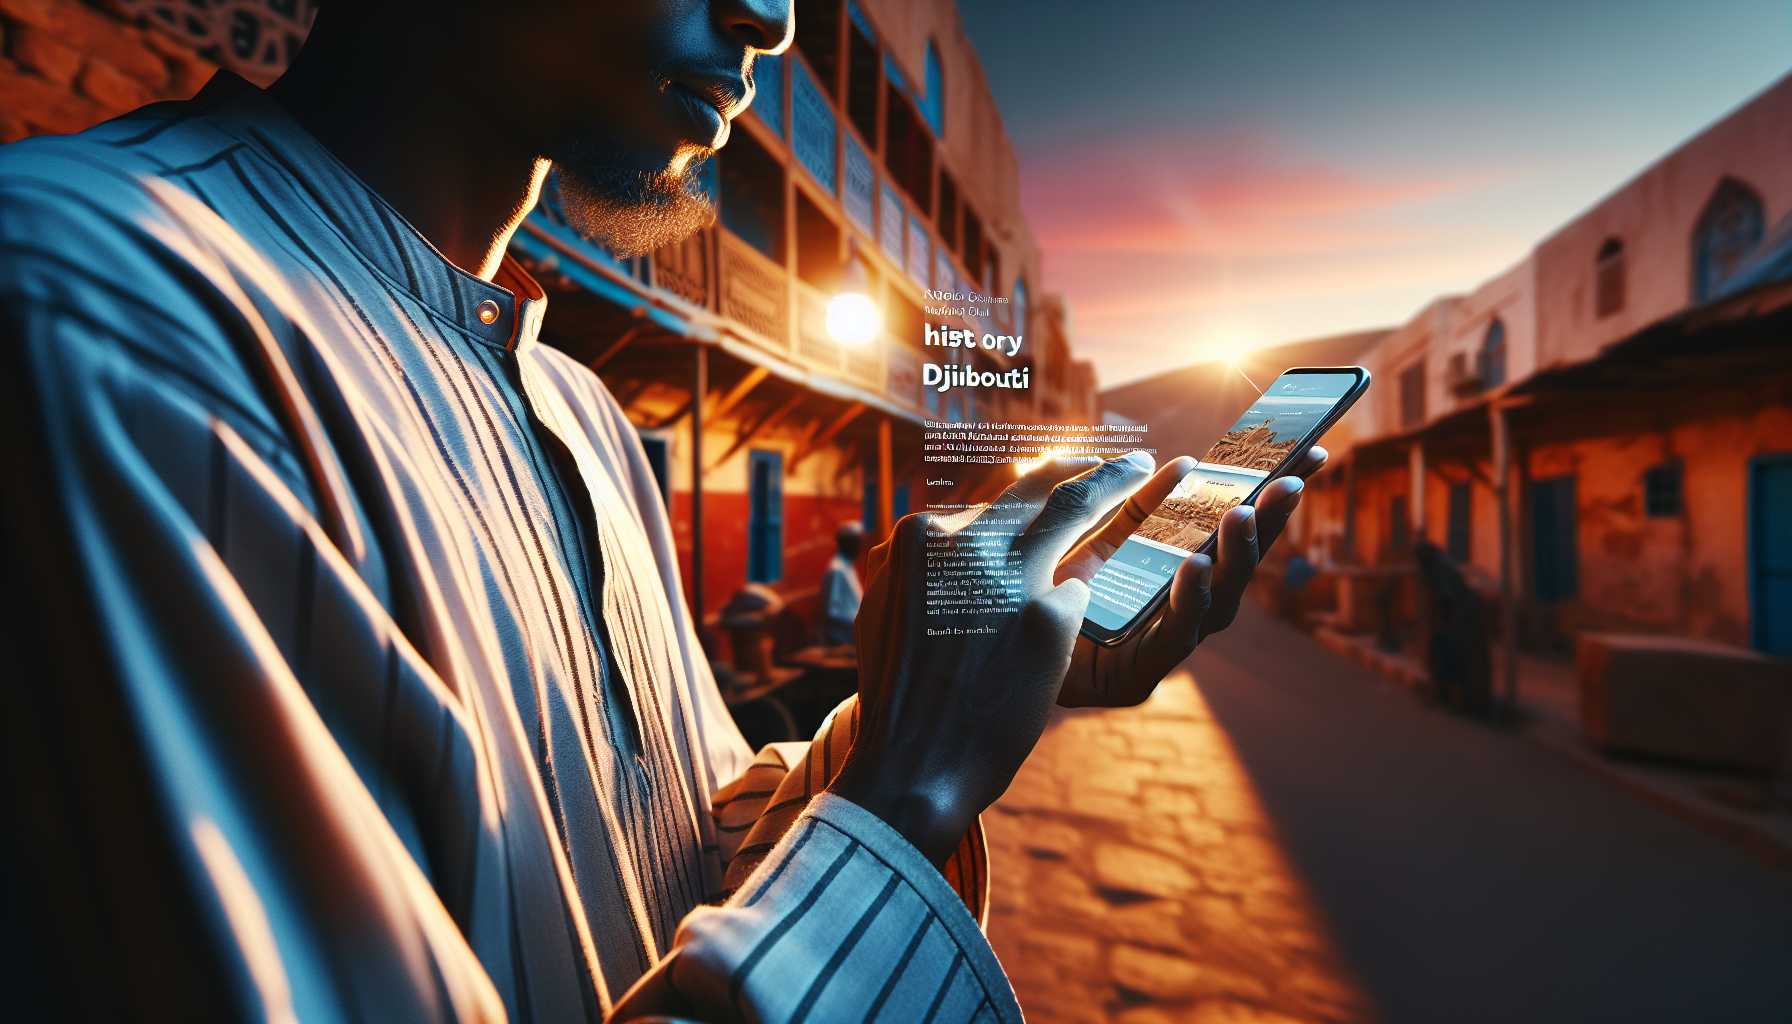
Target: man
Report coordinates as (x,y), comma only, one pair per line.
(352,676)
(840,588)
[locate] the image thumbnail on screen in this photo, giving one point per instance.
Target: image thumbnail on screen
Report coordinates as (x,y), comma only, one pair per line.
(1258,442)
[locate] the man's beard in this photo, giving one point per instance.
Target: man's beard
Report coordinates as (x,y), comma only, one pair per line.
(631,212)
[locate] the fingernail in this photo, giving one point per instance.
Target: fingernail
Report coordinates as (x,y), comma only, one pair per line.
(1138,457)
(1250,522)
(1299,485)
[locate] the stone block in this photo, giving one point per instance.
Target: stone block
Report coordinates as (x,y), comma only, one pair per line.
(112,88)
(42,13)
(42,52)
(1132,869)
(1231,1011)
(187,70)
(1051,840)
(44,106)
(1156,923)
(1062,951)
(1685,699)
(1166,976)
(93,33)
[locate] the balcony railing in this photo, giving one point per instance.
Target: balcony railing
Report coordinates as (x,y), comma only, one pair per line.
(752,290)
(863,364)
(719,272)
(683,269)
(812,342)
(831,153)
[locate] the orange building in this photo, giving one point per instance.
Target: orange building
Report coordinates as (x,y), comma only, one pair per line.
(1602,434)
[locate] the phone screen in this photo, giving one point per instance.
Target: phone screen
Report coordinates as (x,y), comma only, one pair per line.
(1293,407)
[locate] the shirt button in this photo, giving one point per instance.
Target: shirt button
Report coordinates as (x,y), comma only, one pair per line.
(488,312)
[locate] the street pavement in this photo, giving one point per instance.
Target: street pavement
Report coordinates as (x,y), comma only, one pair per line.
(1280,835)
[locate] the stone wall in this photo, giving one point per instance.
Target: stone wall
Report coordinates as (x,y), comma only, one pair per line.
(66,65)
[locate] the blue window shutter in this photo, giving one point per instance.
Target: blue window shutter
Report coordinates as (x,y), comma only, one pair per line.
(891,224)
(894,74)
(768,84)
(765,516)
(858,193)
(858,18)
(918,259)
(934,106)
(814,131)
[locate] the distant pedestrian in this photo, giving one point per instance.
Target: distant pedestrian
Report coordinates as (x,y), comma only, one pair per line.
(1295,576)
(840,589)
(1456,643)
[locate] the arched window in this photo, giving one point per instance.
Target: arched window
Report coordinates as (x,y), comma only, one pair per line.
(1728,231)
(1019,303)
(934,106)
(1493,354)
(1608,294)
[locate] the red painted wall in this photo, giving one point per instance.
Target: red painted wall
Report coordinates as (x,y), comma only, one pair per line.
(809,524)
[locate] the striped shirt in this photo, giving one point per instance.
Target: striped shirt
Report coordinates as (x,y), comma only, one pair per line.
(369,597)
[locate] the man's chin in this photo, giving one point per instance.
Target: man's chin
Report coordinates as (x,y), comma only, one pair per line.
(632,212)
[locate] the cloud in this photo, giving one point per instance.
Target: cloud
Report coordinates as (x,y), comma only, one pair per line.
(1217,195)
(1197,244)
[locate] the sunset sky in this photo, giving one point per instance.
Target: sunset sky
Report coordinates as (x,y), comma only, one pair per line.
(1204,176)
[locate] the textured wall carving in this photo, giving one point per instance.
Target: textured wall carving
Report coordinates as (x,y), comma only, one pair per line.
(254,38)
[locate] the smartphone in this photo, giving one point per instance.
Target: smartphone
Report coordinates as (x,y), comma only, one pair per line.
(1265,443)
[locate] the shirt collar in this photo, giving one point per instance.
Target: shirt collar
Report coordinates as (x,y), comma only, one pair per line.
(505,312)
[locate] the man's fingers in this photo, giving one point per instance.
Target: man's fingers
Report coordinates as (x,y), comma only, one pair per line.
(1191,596)
(1312,462)
(1024,498)
(1277,502)
(1079,503)
(1232,572)
(1087,558)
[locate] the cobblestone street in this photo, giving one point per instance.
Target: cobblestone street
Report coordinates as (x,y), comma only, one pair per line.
(1135,839)
(1280,836)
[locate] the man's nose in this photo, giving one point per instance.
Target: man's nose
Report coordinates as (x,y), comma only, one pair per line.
(763,25)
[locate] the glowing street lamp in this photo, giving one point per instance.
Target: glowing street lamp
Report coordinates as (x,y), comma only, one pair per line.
(853,317)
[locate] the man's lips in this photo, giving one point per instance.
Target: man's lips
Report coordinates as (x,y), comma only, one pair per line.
(708,126)
(728,96)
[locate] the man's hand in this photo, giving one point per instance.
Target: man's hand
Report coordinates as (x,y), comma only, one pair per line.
(1204,596)
(951,704)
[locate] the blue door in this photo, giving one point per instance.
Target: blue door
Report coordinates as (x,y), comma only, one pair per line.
(898,506)
(1458,530)
(765,516)
(868,507)
(1555,568)
(1399,527)
(659,457)
(1770,551)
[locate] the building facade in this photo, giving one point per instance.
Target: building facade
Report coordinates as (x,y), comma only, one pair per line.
(873,159)
(1602,434)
